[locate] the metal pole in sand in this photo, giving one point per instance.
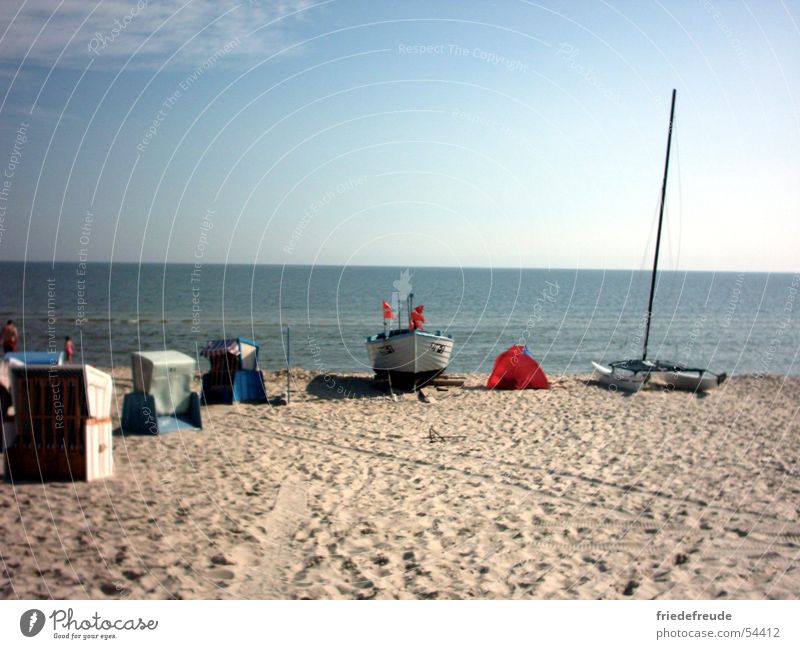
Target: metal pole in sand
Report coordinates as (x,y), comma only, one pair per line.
(288,363)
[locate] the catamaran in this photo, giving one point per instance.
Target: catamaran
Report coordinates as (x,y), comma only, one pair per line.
(409,357)
(631,375)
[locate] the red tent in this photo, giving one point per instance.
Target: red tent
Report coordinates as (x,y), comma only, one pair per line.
(516,369)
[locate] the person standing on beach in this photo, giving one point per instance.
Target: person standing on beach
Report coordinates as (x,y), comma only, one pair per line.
(69,349)
(9,336)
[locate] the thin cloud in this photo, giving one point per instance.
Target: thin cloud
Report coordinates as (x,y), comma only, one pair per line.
(109,31)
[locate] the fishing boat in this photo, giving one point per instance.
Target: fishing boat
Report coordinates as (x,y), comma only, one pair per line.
(631,375)
(409,357)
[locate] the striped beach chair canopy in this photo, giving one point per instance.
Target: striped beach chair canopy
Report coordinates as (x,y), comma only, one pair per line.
(244,348)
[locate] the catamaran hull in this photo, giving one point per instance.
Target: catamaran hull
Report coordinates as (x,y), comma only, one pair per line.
(673,376)
(619,379)
(689,380)
(410,359)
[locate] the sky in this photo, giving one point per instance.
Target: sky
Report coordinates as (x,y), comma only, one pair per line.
(409,133)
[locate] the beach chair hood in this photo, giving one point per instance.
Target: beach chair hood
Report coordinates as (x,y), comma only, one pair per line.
(243,348)
(168,376)
(217,347)
(234,374)
(36,358)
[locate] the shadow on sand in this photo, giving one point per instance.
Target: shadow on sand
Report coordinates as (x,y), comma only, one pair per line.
(603,386)
(335,386)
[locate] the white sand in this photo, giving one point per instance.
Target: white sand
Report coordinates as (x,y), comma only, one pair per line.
(573,492)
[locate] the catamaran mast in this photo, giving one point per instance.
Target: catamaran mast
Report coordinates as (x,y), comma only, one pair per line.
(658,236)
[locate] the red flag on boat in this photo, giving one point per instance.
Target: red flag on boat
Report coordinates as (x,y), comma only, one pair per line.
(387,311)
(417,319)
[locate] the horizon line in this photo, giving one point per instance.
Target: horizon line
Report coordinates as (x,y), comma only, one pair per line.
(295,265)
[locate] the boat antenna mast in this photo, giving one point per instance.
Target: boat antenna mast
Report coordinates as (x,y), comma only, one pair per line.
(658,235)
(399,313)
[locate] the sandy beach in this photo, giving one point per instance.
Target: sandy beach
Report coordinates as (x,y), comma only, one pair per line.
(574,492)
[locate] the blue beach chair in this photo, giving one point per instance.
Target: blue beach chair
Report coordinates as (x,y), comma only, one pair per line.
(162,399)
(234,373)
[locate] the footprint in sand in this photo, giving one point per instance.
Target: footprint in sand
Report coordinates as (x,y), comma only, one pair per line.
(221,574)
(266,566)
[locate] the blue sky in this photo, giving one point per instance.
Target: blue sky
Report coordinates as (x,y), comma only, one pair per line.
(514,134)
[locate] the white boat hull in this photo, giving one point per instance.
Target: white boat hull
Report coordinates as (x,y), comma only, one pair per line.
(689,380)
(671,375)
(619,379)
(410,355)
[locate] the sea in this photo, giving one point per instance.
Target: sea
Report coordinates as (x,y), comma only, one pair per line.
(319,317)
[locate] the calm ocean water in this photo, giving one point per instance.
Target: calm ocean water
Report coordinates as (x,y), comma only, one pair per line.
(738,323)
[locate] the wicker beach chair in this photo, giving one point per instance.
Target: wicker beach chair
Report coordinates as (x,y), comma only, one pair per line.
(62,424)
